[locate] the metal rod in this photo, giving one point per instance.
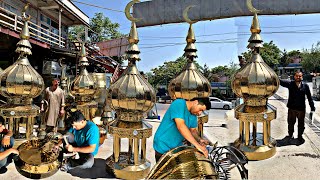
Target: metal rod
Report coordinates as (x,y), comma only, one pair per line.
(143,148)
(254,133)
(265,133)
(130,149)
(241,131)
(116,148)
(136,151)
(10,125)
(247,129)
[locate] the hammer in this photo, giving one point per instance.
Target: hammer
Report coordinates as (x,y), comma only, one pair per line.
(67,143)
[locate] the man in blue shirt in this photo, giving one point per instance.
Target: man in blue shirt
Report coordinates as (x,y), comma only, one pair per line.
(179,123)
(83,139)
(6,144)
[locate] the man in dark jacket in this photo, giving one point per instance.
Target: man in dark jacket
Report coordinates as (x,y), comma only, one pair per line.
(296,104)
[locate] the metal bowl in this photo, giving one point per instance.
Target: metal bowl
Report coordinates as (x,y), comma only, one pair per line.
(37,159)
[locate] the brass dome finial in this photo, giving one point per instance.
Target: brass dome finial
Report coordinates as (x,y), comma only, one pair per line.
(83,61)
(83,86)
(190,83)
(24,46)
(255,40)
(133,49)
(190,49)
(21,81)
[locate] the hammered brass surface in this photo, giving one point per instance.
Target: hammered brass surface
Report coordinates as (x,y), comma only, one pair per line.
(123,170)
(21,80)
(9,110)
(268,115)
(181,163)
(130,130)
(189,83)
(255,82)
(260,152)
(83,86)
(37,159)
(131,95)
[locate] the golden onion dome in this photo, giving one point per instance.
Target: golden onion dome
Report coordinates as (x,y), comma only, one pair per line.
(20,82)
(83,86)
(255,81)
(131,95)
(190,83)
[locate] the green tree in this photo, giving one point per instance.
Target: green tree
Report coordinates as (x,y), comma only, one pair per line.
(311,58)
(162,75)
(102,26)
(270,53)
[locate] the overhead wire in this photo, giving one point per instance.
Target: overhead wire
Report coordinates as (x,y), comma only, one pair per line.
(88,4)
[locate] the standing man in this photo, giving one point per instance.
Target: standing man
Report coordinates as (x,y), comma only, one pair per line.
(55,97)
(179,123)
(84,140)
(6,150)
(296,104)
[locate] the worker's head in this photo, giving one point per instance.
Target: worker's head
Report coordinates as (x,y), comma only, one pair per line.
(55,82)
(78,120)
(199,105)
(298,76)
(2,125)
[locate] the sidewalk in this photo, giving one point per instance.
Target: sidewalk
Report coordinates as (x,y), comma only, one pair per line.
(289,162)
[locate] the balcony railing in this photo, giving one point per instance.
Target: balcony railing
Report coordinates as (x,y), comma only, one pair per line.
(13,21)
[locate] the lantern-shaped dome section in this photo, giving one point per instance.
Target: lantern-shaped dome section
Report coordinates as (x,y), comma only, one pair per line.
(21,81)
(83,85)
(190,83)
(255,81)
(131,95)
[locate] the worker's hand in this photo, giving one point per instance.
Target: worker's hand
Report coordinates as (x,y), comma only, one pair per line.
(203,149)
(6,141)
(204,142)
(62,111)
(70,148)
(14,151)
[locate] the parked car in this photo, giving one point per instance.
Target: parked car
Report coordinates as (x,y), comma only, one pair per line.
(218,103)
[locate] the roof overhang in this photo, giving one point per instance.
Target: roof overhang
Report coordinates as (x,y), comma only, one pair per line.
(74,10)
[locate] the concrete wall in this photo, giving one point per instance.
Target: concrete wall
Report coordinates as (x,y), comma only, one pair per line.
(158,12)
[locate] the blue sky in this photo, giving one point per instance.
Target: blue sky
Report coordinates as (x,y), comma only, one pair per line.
(219,42)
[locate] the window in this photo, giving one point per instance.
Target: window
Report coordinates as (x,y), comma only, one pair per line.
(10,8)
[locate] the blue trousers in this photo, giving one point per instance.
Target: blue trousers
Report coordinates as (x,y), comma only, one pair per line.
(5,162)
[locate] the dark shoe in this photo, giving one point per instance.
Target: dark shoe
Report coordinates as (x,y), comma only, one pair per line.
(300,141)
(288,139)
(3,170)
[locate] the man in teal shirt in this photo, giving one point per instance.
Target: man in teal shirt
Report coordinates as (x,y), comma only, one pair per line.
(179,123)
(83,139)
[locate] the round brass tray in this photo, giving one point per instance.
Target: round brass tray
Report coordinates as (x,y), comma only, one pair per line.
(37,159)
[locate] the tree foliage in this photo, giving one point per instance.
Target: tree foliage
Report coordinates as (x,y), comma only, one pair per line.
(311,58)
(270,53)
(102,26)
(163,74)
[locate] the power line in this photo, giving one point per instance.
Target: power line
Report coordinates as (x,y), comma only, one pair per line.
(97,6)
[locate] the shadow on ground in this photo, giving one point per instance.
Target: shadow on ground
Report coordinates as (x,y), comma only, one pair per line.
(98,170)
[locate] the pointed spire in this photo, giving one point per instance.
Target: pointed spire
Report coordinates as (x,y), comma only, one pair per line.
(83,61)
(24,46)
(190,51)
(133,49)
(255,40)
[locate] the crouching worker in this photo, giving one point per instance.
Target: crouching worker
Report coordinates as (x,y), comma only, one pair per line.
(83,139)
(6,150)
